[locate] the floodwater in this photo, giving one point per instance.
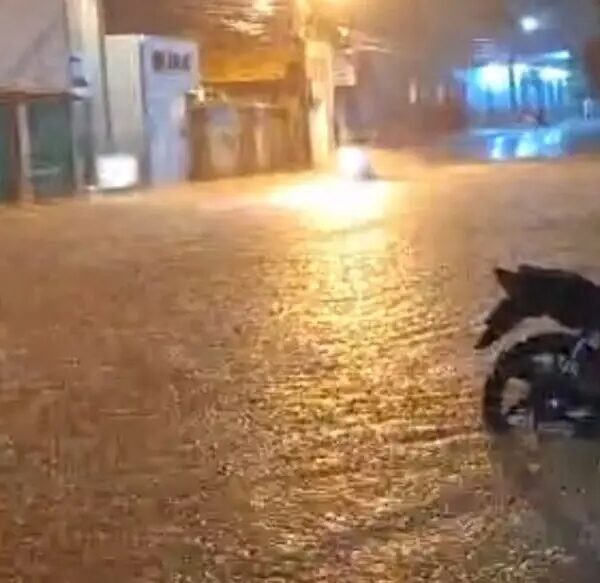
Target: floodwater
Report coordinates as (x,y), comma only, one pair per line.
(551,142)
(280,385)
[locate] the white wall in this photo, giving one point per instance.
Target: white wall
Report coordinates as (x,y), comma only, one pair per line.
(165,94)
(34,46)
(126,97)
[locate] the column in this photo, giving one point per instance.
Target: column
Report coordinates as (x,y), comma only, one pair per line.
(24,187)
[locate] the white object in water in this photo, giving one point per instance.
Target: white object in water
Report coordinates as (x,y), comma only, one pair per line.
(353,163)
(117,172)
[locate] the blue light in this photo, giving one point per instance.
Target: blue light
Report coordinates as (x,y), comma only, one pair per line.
(528,146)
(559,55)
(553,137)
(498,151)
(494,77)
(520,70)
(553,74)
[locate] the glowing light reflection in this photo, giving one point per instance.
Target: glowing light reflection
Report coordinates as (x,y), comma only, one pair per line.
(528,146)
(337,204)
(265,7)
(498,150)
(494,77)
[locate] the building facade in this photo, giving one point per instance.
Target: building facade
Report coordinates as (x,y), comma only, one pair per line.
(150,80)
(34,84)
(48,76)
(484,63)
(533,66)
(252,52)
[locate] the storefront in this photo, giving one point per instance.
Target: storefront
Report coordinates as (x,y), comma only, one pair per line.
(540,85)
(36,132)
(51,146)
(36,148)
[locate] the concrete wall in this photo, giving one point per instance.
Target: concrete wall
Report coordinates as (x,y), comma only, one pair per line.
(34,46)
(86,37)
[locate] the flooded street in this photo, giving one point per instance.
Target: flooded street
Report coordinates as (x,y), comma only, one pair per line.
(280,385)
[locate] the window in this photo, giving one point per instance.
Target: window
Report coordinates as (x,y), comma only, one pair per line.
(159,60)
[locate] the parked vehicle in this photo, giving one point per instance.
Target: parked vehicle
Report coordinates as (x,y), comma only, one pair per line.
(550,382)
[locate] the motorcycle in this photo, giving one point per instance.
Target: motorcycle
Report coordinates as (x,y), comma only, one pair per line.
(550,382)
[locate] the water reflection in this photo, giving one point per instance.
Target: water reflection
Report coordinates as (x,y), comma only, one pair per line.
(523,143)
(351,388)
(336,204)
(539,143)
(559,480)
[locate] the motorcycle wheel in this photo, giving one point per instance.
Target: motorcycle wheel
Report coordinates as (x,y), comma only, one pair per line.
(508,392)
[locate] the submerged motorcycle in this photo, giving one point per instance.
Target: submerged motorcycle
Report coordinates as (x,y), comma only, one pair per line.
(354,164)
(354,160)
(550,382)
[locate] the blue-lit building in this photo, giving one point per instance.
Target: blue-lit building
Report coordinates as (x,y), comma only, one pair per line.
(542,85)
(495,61)
(532,65)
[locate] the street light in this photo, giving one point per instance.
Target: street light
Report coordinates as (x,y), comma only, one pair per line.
(530,24)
